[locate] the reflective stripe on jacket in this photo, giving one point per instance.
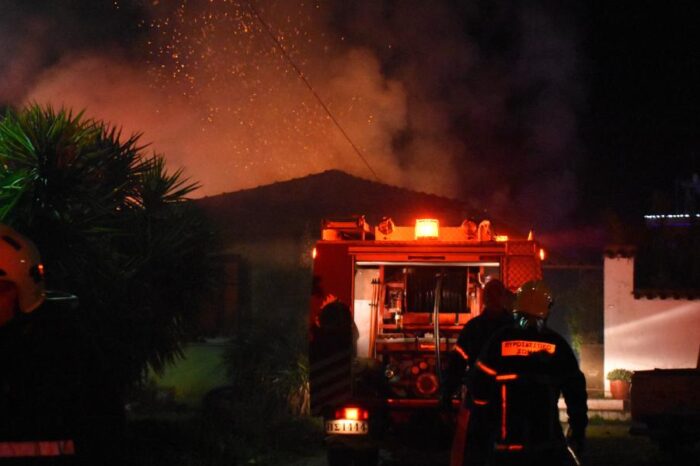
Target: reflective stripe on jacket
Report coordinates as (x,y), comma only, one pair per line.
(36,448)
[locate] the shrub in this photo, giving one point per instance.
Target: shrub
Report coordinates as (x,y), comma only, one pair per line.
(620,374)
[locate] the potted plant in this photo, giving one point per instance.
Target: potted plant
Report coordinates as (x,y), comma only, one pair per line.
(620,380)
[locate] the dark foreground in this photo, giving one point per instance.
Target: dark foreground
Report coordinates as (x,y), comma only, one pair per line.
(185,441)
(609,444)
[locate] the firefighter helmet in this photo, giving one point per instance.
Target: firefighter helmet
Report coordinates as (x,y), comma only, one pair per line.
(533,299)
(20,264)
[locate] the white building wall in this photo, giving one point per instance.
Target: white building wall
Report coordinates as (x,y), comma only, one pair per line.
(643,333)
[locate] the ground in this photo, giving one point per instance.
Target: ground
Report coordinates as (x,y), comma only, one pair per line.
(177,440)
(609,443)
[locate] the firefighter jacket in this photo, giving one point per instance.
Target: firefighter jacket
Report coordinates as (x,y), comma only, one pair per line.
(521,372)
(52,392)
(330,357)
(470,342)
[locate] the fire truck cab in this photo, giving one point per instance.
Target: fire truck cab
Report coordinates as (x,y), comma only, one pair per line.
(404,293)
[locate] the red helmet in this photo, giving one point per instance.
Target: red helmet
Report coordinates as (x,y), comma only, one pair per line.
(20,264)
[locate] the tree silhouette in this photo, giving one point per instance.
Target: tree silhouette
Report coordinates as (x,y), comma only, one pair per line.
(113,226)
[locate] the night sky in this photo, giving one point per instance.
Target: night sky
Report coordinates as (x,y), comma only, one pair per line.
(563,114)
(642,131)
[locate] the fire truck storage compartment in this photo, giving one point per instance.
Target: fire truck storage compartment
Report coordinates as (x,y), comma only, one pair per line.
(401,297)
(420,285)
(410,364)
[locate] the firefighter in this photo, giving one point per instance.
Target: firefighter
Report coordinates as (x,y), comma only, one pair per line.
(331,352)
(334,330)
(476,332)
(48,403)
(469,444)
(521,373)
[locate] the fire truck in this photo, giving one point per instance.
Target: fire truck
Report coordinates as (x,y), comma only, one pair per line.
(387,307)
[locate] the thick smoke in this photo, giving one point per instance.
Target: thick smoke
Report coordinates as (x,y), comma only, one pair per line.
(473,100)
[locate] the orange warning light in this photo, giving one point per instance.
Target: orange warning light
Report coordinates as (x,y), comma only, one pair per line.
(352,413)
(427,228)
(314,253)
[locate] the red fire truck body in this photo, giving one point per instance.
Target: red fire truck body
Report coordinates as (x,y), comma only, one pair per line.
(389,279)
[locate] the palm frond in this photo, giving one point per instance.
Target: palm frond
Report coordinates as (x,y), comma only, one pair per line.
(13,186)
(114,226)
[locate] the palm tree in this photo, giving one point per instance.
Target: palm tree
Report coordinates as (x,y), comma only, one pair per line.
(113,226)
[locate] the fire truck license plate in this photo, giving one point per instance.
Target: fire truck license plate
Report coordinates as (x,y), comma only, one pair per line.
(346,427)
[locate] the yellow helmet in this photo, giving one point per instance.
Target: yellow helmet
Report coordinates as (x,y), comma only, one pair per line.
(20,264)
(533,299)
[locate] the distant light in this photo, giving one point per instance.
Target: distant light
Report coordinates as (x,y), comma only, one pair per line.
(662,216)
(671,220)
(501,238)
(427,228)
(314,253)
(543,255)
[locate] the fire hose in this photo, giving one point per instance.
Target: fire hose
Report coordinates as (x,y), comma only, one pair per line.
(436,324)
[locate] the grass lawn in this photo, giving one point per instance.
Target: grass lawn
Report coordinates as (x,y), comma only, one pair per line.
(609,443)
(192,377)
